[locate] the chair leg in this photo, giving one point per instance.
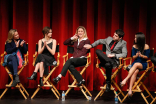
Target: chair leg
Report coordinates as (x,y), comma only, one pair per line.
(99,94)
(70,88)
(103,90)
(54,87)
(142,95)
(87,90)
(118,88)
(35,92)
(84,93)
(147,90)
(55,93)
(4,92)
(22,93)
(24,89)
(153,100)
(124,98)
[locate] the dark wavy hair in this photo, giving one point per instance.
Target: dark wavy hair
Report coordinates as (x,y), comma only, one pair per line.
(46,30)
(140,41)
(120,33)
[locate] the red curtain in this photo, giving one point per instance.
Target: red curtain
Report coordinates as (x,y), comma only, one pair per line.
(100,18)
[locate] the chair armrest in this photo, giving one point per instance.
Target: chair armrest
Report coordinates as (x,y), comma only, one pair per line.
(65,58)
(88,59)
(58,59)
(34,58)
(124,62)
(26,58)
(97,62)
(148,65)
(120,61)
(2,57)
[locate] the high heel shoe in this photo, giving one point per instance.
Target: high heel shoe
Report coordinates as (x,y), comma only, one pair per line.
(80,83)
(33,76)
(41,81)
(121,84)
(130,96)
(57,79)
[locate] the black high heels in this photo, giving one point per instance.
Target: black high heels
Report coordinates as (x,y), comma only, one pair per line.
(33,76)
(80,83)
(57,79)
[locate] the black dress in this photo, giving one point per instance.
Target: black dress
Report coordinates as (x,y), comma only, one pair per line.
(46,57)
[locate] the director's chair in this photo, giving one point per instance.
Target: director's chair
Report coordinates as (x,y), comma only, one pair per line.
(140,78)
(113,76)
(19,85)
(70,50)
(47,82)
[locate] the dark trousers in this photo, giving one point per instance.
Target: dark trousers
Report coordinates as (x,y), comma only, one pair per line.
(13,64)
(107,63)
(71,64)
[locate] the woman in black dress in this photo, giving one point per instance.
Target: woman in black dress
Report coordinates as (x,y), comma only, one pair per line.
(46,52)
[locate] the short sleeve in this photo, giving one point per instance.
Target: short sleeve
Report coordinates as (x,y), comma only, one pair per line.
(147,53)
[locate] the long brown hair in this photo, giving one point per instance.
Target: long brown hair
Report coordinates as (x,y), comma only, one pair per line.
(46,30)
(10,35)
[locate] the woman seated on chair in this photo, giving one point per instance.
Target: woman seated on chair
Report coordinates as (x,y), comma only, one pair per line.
(46,52)
(13,44)
(140,54)
(79,55)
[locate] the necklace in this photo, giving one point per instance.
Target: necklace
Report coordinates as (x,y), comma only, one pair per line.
(47,40)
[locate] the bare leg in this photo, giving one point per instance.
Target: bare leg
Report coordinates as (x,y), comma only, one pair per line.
(131,71)
(41,69)
(132,80)
(37,67)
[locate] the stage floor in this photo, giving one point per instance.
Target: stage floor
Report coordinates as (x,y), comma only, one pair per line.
(74,97)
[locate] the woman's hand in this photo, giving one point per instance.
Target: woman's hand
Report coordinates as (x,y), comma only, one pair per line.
(21,44)
(137,54)
(45,44)
(141,55)
(87,46)
(75,37)
(17,43)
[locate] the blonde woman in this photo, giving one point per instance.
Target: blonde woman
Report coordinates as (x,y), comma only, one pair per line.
(79,56)
(13,44)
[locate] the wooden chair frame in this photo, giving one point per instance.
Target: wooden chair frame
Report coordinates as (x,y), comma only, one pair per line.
(47,82)
(73,85)
(113,76)
(118,69)
(141,79)
(19,85)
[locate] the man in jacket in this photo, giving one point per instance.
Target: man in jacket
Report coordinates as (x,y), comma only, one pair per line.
(115,48)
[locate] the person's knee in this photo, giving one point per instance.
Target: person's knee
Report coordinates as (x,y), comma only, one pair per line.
(136,72)
(69,60)
(71,67)
(108,65)
(98,51)
(14,59)
(41,63)
(135,65)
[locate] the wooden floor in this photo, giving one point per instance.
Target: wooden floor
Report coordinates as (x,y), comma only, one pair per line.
(74,97)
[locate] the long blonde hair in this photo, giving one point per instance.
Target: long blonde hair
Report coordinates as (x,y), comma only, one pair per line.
(85,32)
(10,35)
